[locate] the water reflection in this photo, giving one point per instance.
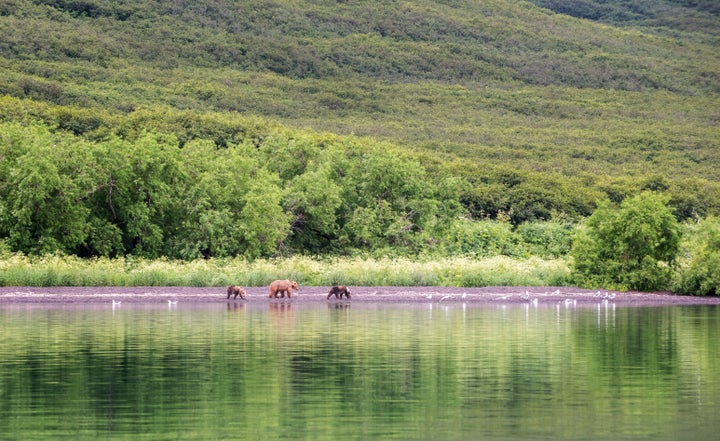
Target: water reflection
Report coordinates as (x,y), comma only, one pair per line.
(235,306)
(280,369)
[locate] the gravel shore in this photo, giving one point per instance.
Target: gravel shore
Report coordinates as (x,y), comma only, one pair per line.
(360,294)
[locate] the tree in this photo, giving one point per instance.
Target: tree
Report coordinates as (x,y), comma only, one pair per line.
(152,209)
(263,222)
(390,201)
(314,198)
(633,246)
(45,180)
(231,204)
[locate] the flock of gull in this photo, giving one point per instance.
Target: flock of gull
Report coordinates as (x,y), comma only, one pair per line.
(530,298)
(527,296)
(118,303)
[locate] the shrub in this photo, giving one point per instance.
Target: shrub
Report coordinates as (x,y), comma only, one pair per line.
(484,238)
(546,239)
(700,275)
(631,247)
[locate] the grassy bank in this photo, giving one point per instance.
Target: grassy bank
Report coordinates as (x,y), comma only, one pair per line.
(20,270)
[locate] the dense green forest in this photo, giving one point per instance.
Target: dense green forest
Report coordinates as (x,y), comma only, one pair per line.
(268,128)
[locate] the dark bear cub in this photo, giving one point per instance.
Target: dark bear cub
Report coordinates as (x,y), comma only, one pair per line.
(338,291)
(237,291)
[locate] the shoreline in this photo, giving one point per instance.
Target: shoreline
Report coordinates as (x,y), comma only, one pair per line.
(491,295)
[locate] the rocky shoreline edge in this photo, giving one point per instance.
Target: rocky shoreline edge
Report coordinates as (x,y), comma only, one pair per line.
(532,295)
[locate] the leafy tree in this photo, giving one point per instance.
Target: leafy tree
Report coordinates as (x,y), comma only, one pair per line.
(263,222)
(630,247)
(224,186)
(314,198)
(43,190)
(389,201)
(153,209)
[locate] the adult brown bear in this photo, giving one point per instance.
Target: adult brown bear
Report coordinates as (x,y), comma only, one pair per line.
(237,290)
(283,286)
(338,291)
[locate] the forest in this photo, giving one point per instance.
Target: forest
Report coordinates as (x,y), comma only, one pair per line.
(260,129)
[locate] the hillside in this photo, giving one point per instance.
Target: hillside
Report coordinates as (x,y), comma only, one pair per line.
(540,107)
(695,19)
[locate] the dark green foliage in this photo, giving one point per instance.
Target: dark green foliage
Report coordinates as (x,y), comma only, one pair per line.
(662,15)
(633,246)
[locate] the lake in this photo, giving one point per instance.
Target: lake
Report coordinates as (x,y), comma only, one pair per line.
(286,370)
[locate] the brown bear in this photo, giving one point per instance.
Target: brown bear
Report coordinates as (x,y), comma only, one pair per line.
(283,286)
(237,290)
(338,291)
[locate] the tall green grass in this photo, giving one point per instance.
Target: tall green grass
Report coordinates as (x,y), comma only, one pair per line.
(52,270)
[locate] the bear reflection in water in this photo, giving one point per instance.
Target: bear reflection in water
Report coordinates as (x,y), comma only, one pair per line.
(235,306)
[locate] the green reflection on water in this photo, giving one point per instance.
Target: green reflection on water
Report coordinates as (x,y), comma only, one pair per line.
(280,370)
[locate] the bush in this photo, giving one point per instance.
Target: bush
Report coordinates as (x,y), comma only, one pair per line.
(700,274)
(484,238)
(631,247)
(547,239)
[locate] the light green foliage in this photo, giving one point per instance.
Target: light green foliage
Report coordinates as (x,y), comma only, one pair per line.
(633,246)
(699,272)
(274,193)
(262,220)
(57,270)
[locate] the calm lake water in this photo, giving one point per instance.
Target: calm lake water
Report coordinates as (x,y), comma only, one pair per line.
(274,370)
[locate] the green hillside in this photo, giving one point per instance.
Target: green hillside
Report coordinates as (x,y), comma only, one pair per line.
(695,19)
(512,109)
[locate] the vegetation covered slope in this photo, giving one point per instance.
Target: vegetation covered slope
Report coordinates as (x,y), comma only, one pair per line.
(509,108)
